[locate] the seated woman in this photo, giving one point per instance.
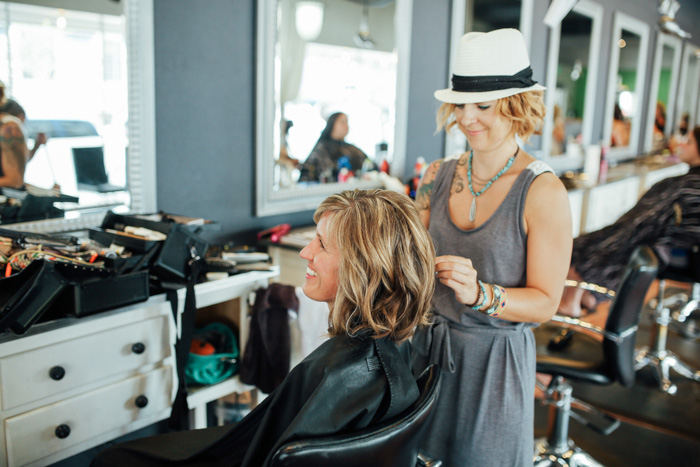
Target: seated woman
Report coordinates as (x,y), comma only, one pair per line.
(666,217)
(372,261)
(324,162)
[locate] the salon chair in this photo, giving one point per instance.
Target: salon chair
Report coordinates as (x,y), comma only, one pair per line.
(395,442)
(588,359)
(656,355)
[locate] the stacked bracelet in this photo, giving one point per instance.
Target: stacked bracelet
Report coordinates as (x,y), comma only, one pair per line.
(480,297)
(500,299)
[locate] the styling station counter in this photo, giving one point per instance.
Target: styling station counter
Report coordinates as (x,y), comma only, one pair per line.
(72,384)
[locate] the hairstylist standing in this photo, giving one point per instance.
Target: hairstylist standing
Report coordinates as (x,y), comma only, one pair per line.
(501,224)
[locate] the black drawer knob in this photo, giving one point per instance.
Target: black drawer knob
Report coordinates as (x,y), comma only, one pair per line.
(62,431)
(141,401)
(138,348)
(57,373)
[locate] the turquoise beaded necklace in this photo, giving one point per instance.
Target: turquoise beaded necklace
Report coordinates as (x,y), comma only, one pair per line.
(472,210)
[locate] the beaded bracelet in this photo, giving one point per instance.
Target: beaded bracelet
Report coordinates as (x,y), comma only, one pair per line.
(500,299)
(480,297)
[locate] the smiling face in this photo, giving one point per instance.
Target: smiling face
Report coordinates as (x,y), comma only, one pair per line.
(323,266)
(483,125)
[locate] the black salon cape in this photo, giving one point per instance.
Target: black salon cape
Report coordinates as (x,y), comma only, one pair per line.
(346,384)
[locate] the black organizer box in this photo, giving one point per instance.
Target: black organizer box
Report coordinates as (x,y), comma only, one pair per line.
(47,290)
(167,259)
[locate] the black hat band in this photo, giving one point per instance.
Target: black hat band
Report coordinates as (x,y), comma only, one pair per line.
(522,79)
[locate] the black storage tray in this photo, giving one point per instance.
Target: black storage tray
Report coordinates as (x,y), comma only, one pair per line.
(47,290)
(94,295)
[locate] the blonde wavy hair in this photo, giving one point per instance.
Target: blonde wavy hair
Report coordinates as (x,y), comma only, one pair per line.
(386,277)
(525,110)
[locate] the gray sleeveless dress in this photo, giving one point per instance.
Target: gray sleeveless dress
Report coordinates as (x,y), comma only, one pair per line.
(485,413)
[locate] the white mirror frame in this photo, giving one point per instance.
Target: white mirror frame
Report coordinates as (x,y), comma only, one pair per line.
(564,162)
(285,200)
(689,50)
(677,45)
(455,141)
(635,26)
(141,153)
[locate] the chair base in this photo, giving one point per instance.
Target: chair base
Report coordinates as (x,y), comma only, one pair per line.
(572,456)
(662,362)
(690,328)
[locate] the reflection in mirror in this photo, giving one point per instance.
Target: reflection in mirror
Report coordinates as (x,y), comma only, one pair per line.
(67,69)
(132,22)
(339,58)
(571,85)
(341,66)
(483,16)
(625,86)
(662,94)
(688,88)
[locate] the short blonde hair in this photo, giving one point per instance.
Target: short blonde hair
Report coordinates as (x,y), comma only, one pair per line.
(525,110)
(386,277)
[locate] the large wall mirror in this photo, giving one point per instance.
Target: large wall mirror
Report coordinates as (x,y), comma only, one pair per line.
(83,72)
(662,93)
(626,80)
(317,59)
(483,16)
(572,72)
(687,108)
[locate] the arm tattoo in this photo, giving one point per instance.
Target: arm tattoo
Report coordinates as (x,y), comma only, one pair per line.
(425,189)
(423,195)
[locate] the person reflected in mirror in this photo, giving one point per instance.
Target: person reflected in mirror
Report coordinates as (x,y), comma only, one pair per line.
(372,262)
(501,223)
(13,147)
(620,129)
(558,132)
(332,153)
(14,108)
(666,217)
(659,142)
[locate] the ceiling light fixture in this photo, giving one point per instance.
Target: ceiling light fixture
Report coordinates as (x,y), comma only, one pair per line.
(309,20)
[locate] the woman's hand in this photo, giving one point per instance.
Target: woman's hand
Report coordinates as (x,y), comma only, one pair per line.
(458,274)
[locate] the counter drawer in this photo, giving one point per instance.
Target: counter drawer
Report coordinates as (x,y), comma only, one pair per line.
(55,427)
(30,376)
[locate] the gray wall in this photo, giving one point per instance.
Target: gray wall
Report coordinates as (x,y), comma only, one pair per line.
(205,99)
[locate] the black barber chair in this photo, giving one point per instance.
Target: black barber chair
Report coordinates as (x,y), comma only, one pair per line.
(656,355)
(588,360)
(392,443)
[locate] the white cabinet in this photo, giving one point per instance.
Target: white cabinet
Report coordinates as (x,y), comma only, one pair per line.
(76,383)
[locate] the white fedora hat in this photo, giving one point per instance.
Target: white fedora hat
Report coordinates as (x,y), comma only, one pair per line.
(489,66)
